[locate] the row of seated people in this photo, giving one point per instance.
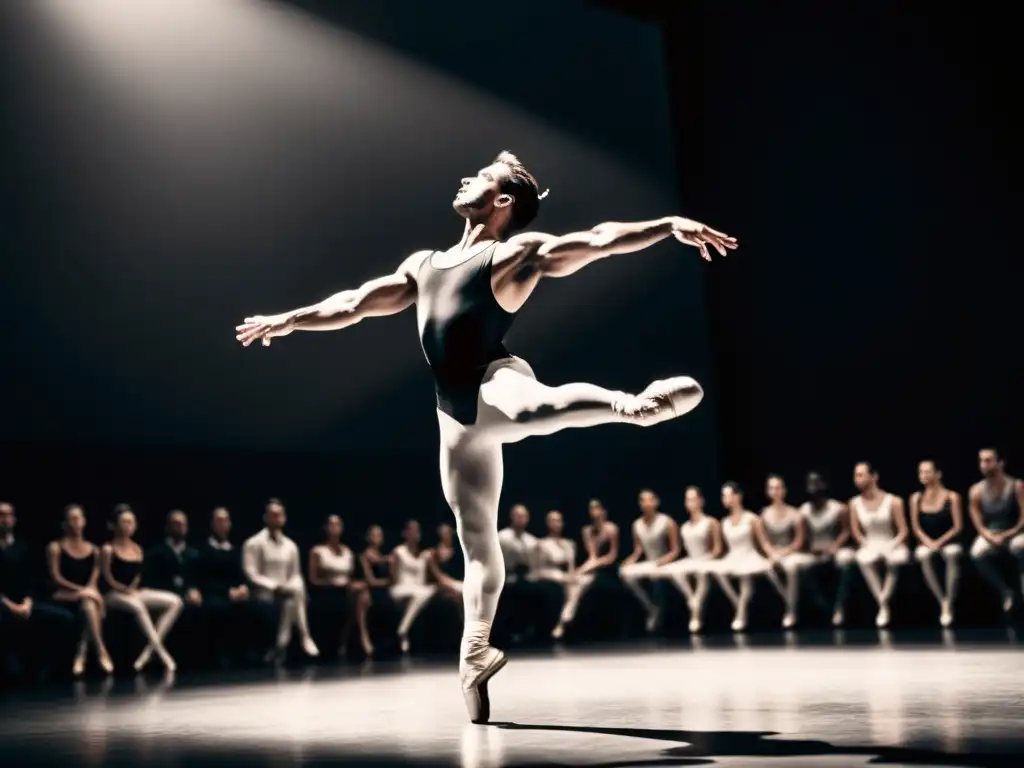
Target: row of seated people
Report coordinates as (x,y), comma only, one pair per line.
(246,598)
(786,546)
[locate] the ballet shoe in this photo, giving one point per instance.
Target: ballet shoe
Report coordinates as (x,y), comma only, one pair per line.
(662,400)
(309,647)
(107,664)
(476,670)
(1008,601)
(788,621)
(652,620)
(739,624)
(946,616)
(168,662)
(78,668)
(558,631)
(838,619)
(882,620)
(142,661)
(695,626)
(403,643)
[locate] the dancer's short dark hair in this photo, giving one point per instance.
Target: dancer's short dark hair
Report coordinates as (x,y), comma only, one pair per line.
(523,187)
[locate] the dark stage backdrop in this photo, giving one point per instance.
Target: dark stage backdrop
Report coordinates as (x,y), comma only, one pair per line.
(863,154)
(170,167)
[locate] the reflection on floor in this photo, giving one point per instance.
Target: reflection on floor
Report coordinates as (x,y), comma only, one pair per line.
(794,701)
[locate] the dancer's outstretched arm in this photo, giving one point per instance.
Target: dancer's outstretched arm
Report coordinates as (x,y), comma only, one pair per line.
(387,295)
(535,254)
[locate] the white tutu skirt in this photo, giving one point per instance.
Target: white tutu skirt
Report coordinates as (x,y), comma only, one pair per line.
(742,564)
(797,561)
(685,565)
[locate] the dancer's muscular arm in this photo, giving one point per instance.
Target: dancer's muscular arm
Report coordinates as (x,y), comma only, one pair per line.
(543,255)
(386,295)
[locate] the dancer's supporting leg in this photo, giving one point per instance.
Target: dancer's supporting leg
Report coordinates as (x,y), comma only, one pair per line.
(471,475)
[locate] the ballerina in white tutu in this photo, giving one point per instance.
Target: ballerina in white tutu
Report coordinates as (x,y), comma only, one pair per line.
(782,537)
(702,540)
(742,561)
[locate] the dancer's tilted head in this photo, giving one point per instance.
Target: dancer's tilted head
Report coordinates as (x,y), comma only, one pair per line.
(122,522)
(503,195)
(732,496)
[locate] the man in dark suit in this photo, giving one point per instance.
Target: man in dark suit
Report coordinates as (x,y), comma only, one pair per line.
(171,565)
(32,635)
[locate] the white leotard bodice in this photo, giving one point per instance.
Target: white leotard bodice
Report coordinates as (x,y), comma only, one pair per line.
(780,529)
(556,554)
(876,524)
(653,538)
(824,525)
(409,568)
(337,568)
(696,537)
(740,536)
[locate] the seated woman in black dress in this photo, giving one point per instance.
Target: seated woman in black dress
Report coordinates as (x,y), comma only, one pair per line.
(333,583)
(121,561)
(74,568)
(376,568)
(446,564)
(937,519)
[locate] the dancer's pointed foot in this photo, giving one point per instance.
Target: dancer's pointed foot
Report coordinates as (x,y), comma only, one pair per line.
(476,670)
(661,400)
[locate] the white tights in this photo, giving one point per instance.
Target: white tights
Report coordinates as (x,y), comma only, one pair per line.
(513,405)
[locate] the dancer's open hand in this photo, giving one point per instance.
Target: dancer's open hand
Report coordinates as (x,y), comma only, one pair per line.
(263,327)
(700,236)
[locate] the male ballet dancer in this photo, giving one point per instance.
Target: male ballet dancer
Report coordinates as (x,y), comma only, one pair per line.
(466,299)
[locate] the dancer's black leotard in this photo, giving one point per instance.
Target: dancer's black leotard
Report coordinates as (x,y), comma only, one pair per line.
(462,329)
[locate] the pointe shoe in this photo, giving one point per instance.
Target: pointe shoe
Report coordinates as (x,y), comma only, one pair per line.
(476,671)
(367,647)
(168,662)
(882,620)
(1008,602)
(662,400)
(739,624)
(309,647)
(78,668)
(107,664)
(789,620)
(695,626)
(403,643)
(142,661)
(946,616)
(838,619)
(558,631)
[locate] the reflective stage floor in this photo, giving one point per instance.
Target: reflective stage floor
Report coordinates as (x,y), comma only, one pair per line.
(797,701)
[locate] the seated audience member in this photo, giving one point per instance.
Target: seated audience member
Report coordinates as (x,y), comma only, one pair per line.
(520,603)
(121,566)
(782,538)
(272,566)
(601,545)
(828,525)
(880,528)
(377,574)
(446,564)
(655,545)
(997,511)
(171,564)
(556,564)
(335,587)
(702,543)
(409,587)
(742,560)
(232,618)
(73,565)
(937,519)
(28,628)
